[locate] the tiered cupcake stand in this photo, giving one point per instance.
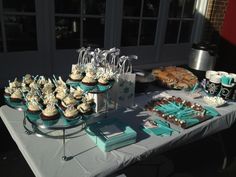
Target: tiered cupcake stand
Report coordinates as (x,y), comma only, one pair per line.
(35,125)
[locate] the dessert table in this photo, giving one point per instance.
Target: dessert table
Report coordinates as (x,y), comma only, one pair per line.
(86,160)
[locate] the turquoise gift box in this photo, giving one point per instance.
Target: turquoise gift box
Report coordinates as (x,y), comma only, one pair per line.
(110,134)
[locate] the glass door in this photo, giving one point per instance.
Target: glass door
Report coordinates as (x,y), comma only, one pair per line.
(177,36)
(77,23)
(139,29)
(21,37)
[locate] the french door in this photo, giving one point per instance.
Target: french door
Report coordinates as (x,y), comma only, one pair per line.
(41,37)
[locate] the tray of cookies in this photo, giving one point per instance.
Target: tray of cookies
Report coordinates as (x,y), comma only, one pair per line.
(173,77)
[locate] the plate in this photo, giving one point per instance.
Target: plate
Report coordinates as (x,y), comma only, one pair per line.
(214,101)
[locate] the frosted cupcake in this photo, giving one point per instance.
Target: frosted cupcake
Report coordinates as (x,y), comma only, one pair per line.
(71,115)
(33,111)
(88,98)
(33,107)
(15,84)
(8,91)
(41,81)
(77,73)
(61,94)
(69,100)
(27,79)
(89,82)
(34,85)
(85,108)
(50,115)
(78,94)
(25,88)
(50,99)
(32,96)
(105,82)
(16,96)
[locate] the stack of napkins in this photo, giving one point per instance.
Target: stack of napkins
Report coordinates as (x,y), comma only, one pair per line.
(111,134)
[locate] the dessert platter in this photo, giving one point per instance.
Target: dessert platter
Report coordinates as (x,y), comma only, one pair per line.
(175,77)
(52,104)
(180,112)
(49,103)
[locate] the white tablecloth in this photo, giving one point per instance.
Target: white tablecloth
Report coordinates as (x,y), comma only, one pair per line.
(44,154)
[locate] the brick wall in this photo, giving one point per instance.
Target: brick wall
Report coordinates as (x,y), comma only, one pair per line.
(214,19)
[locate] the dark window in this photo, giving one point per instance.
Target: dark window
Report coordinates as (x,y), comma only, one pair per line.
(67,32)
(67,6)
(130,32)
(180,21)
(139,22)
(93,29)
(172,31)
(148,32)
(75,28)
(20,32)
(19,5)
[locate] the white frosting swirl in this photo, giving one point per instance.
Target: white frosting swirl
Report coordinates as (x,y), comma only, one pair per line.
(33,106)
(71,112)
(50,110)
(16,94)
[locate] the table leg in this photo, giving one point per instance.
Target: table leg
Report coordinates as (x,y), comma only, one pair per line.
(64,157)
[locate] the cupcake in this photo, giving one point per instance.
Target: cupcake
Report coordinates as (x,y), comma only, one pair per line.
(104,82)
(77,73)
(32,96)
(41,81)
(61,94)
(78,94)
(33,111)
(24,88)
(89,99)
(85,108)
(33,107)
(71,115)
(50,99)
(34,85)
(8,91)
(27,79)
(16,96)
(15,84)
(60,82)
(88,82)
(50,115)
(69,100)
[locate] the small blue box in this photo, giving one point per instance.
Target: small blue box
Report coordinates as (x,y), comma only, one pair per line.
(110,134)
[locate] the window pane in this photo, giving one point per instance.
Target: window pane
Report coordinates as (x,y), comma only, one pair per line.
(148,32)
(186,31)
(93,32)
(19,5)
(132,8)
(189,8)
(172,31)
(151,8)
(175,8)
(95,7)
(20,33)
(67,30)
(129,32)
(67,6)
